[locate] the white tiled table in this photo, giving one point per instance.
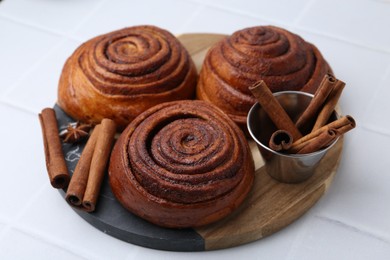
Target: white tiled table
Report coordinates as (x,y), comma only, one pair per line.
(352,220)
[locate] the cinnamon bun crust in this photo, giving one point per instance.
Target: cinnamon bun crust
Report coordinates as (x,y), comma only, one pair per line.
(120,74)
(282,59)
(181,164)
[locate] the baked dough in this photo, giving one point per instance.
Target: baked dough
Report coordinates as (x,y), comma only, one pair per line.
(181,164)
(120,74)
(282,59)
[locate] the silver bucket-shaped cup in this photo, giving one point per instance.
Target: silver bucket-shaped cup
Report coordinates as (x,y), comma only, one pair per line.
(284,167)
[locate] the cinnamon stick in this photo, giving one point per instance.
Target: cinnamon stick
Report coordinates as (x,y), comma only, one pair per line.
(55,161)
(99,163)
(339,126)
(273,109)
(280,140)
(329,105)
(323,91)
(75,193)
(319,142)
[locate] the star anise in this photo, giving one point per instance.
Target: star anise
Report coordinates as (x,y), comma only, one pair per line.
(75,132)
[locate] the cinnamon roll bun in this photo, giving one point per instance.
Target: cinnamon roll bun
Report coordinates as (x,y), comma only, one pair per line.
(120,74)
(282,59)
(181,164)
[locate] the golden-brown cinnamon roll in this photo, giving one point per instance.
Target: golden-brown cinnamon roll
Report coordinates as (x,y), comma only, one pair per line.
(282,59)
(120,74)
(181,164)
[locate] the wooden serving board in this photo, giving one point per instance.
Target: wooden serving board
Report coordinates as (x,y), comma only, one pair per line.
(269,207)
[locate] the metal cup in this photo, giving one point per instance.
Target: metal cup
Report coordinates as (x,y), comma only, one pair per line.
(287,168)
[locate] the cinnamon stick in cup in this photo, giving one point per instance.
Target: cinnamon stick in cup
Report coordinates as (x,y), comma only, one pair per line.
(319,142)
(281,140)
(322,93)
(347,126)
(75,193)
(55,162)
(329,105)
(99,163)
(273,109)
(339,126)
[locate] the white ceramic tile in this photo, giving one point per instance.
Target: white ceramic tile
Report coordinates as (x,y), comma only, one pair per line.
(38,88)
(53,217)
(215,20)
(276,11)
(19,245)
(216,2)
(360,68)
(58,16)
(23,171)
(169,15)
(359,192)
(21,47)
(376,116)
(327,239)
(364,22)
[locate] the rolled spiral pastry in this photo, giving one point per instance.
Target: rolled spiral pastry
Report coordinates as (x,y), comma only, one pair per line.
(282,59)
(181,164)
(120,74)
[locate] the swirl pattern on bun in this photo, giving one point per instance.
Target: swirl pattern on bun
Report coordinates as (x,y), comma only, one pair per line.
(120,74)
(181,164)
(282,59)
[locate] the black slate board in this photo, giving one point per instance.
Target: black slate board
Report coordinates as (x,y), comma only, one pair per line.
(114,220)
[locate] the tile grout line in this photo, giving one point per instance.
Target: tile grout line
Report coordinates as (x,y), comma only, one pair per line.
(381,85)
(86,18)
(294,25)
(299,237)
(305,9)
(38,62)
(343,40)
(40,28)
(381,131)
(193,15)
(235,11)
(28,71)
(53,240)
(14,224)
(70,34)
(34,26)
(3,222)
(4,102)
(352,228)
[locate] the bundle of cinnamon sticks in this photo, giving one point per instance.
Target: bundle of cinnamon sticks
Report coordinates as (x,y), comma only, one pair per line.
(288,138)
(82,189)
